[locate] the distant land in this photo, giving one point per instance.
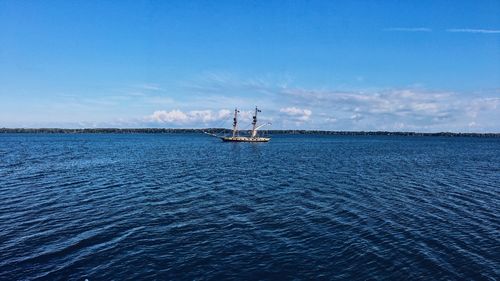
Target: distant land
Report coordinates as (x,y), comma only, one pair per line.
(221,130)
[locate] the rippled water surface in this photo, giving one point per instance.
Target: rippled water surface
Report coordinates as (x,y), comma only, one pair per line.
(184,207)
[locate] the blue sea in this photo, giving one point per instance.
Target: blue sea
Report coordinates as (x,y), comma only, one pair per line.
(301,207)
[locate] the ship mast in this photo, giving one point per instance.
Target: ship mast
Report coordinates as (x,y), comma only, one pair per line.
(254,123)
(235,122)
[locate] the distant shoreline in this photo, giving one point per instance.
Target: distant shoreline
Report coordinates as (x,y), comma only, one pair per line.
(221,130)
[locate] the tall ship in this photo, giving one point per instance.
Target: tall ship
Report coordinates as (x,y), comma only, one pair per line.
(235,137)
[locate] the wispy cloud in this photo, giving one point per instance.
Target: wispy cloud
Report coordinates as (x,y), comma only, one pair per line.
(296,114)
(149,87)
(398,109)
(457,30)
(229,84)
(473,30)
(408,29)
(288,106)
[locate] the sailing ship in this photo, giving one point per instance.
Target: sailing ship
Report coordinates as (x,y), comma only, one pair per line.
(235,137)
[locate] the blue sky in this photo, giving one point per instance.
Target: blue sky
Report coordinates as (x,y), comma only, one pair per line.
(332,65)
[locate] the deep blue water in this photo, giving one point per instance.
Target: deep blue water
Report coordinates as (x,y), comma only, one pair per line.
(189,207)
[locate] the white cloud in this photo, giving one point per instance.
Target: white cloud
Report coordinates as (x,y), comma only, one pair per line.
(473,30)
(478,105)
(193,117)
(356,117)
(174,116)
(393,109)
(414,108)
(297,114)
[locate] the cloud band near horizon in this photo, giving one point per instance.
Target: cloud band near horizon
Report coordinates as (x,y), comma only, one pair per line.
(411,109)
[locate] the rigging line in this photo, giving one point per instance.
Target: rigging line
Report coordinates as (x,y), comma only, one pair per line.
(224,126)
(247,127)
(218,125)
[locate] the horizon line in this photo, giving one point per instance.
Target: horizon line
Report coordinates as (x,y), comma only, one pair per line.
(111,129)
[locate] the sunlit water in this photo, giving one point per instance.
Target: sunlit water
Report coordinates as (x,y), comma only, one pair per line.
(184,207)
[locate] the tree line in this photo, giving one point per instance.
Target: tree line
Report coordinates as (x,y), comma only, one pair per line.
(225,131)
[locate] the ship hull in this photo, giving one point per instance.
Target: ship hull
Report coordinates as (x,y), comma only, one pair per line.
(244,139)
